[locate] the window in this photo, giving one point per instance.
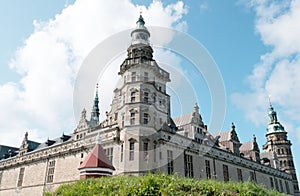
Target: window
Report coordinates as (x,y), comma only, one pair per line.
(146,76)
(123,118)
(50,171)
(132,118)
(271,182)
(21,176)
(122,151)
(188,159)
(170,161)
(146,118)
(81,156)
(207,165)
(116,116)
(132,97)
(287,187)
(131,151)
(109,153)
(252,176)
(154,152)
(133,76)
(278,151)
(240,175)
(1,174)
(281,186)
(276,184)
(225,173)
(146,97)
(146,153)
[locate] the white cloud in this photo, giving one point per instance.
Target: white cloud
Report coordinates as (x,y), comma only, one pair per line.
(277,74)
(41,102)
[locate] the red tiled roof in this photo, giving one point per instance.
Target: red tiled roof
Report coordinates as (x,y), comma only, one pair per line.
(97,159)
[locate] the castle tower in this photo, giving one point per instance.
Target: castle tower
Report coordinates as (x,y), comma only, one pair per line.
(141,106)
(280,147)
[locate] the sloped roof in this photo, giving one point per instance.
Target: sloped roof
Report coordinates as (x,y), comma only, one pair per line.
(247,146)
(184,119)
(97,159)
(4,150)
(224,136)
(55,141)
(32,145)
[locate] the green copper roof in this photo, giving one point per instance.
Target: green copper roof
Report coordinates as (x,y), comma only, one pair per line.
(274,125)
(140,21)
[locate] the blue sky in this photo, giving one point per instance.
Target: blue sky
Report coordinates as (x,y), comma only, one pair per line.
(255,45)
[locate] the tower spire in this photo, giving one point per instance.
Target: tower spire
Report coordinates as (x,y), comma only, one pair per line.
(140,35)
(272,113)
(95,111)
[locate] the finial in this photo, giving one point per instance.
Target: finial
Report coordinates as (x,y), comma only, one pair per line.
(83,114)
(270,101)
(232,126)
(254,138)
(196,108)
(141,11)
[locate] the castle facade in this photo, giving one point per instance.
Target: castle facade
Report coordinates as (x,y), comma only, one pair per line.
(139,136)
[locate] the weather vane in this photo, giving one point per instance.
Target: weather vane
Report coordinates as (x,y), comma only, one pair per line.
(270,100)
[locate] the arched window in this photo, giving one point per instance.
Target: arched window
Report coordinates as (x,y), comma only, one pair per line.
(282,151)
(278,151)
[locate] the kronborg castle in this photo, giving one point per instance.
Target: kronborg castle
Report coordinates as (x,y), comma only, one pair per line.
(139,136)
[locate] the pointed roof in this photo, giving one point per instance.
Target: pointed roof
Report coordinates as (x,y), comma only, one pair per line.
(95,110)
(97,159)
(274,125)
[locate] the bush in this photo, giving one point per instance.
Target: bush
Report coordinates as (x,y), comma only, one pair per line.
(159,184)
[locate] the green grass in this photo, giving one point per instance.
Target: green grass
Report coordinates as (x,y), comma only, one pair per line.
(159,184)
